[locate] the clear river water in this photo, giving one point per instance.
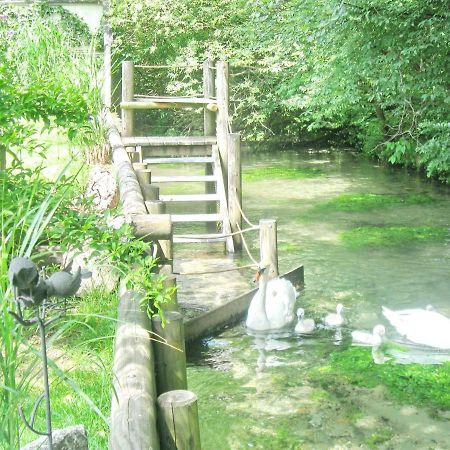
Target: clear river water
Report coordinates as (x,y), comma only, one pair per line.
(367,235)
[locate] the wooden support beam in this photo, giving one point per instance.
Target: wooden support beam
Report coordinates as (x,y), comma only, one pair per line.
(144,176)
(133,412)
(158,103)
(107,44)
(127,96)
(152,227)
(223,119)
(150,192)
(178,421)
(209,118)
(235,187)
(170,355)
(268,246)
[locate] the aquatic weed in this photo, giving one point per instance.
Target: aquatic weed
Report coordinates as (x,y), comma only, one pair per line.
(262,173)
(392,236)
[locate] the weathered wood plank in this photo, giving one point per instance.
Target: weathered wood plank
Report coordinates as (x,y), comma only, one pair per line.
(196,218)
(183,178)
(168,140)
(190,197)
(179,160)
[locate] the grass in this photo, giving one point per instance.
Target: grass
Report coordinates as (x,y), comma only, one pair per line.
(424,385)
(366,202)
(392,236)
(84,351)
(263,173)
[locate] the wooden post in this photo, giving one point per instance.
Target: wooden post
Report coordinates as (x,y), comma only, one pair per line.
(223,119)
(155,206)
(127,96)
(209,117)
(209,129)
(235,187)
(150,192)
(133,412)
(170,359)
(107,44)
(268,245)
(164,246)
(144,176)
(178,421)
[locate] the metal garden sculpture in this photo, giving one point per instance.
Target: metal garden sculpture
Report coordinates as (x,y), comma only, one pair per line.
(32,292)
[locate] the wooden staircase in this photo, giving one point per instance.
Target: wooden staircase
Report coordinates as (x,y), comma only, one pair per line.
(207,153)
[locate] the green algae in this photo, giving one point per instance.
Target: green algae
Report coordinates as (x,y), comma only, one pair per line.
(224,425)
(392,236)
(366,202)
(280,172)
(422,385)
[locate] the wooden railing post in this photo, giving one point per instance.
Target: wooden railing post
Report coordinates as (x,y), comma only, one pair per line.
(178,421)
(209,129)
(170,357)
(235,187)
(223,119)
(107,44)
(127,96)
(209,117)
(268,245)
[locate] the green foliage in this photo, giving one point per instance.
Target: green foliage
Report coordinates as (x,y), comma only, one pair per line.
(263,173)
(408,383)
(366,202)
(156,296)
(392,236)
(44,76)
(36,212)
(374,73)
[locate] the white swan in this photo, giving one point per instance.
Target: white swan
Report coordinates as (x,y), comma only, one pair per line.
(272,307)
(335,319)
(375,339)
(304,326)
(421,326)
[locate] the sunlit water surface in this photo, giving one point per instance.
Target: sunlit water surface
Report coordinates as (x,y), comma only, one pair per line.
(251,389)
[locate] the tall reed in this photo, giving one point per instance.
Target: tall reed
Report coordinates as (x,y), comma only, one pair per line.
(25,212)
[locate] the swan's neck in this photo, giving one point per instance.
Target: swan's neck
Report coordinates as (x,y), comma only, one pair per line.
(262,295)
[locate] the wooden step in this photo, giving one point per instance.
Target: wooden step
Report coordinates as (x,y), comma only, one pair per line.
(158,141)
(189,198)
(179,160)
(183,178)
(200,238)
(181,218)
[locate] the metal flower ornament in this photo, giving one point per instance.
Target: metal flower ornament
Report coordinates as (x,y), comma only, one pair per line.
(32,292)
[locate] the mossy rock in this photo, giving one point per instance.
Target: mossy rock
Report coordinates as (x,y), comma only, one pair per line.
(392,236)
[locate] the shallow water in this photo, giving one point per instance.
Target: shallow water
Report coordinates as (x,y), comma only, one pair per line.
(252,390)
